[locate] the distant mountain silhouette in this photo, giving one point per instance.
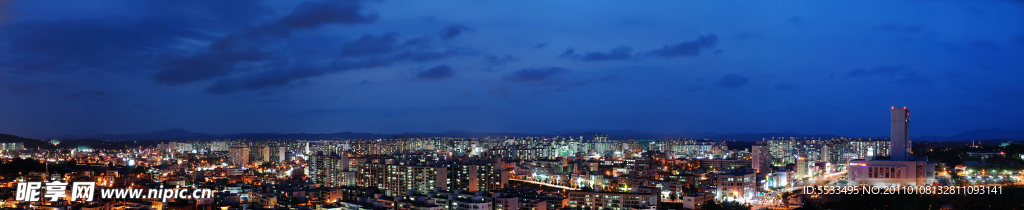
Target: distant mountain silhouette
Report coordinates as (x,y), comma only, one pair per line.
(994,133)
(979,134)
(181,134)
(760,136)
(28,143)
(169,134)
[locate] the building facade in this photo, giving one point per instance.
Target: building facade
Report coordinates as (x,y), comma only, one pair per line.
(239,154)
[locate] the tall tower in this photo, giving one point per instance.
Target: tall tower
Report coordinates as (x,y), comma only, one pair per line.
(899,137)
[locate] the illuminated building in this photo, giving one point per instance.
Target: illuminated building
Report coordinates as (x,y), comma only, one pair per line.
(900,138)
(239,154)
(695,200)
(259,154)
(395,177)
(736,184)
(760,158)
(461,200)
(12,146)
(898,170)
(612,200)
(801,166)
(331,170)
(724,165)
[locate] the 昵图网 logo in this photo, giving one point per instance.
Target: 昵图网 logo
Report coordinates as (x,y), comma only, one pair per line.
(86,191)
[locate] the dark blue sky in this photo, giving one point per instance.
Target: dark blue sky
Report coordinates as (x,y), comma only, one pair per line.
(84,67)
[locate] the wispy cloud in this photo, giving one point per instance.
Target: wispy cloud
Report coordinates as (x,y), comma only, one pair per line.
(682,49)
(437,72)
(732,81)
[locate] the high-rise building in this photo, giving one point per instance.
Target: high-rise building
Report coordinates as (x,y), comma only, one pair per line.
(259,154)
(278,154)
(462,200)
(462,176)
(801,165)
(900,138)
(239,154)
(900,169)
(331,170)
(608,200)
(835,150)
(13,146)
(761,158)
(394,177)
(219,145)
(491,175)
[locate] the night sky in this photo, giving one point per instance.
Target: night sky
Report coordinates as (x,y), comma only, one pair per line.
(89,67)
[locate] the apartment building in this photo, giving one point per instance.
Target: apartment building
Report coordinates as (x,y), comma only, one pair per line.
(612,200)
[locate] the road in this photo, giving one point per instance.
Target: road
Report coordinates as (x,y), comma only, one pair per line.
(772,204)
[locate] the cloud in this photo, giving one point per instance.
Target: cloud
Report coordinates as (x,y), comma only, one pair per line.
(569,53)
(438,72)
(732,81)
(541,45)
(283,76)
(278,77)
(534,74)
(370,45)
(491,61)
(345,61)
(618,53)
(161,40)
(421,42)
(785,86)
(314,14)
(689,48)
(179,70)
(248,46)
(228,12)
(682,49)
(897,74)
(80,45)
(901,28)
(452,31)
(545,80)
(501,91)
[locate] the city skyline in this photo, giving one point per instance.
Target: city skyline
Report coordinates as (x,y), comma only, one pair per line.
(517,173)
(397,66)
(517,105)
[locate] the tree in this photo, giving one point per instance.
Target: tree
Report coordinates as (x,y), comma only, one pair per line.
(786,195)
(733,205)
(711,205)
(807,207)
(690,189)
(138,170)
